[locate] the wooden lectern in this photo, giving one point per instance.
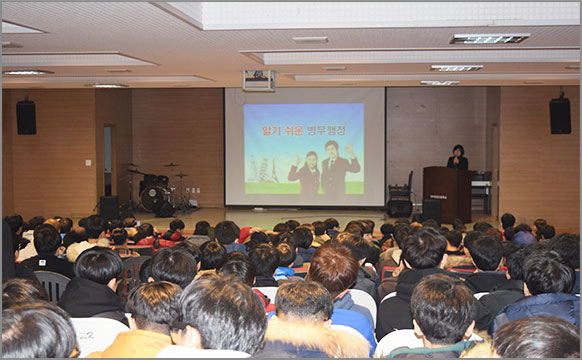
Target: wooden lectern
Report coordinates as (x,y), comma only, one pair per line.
(453,188)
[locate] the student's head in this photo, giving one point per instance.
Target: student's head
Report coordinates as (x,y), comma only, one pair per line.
(567,245)
(76,235)
(302,238)
(356,243)
(287,254)
(424,248)
(174,265)
(266,259)
(119,236)
(443,309)
(514,262)
(459,225)
(482,226)
(331,148)
(430,223)
(281,227)
(331,224)
(507,220)
(47,240)
(538,223)
(469,239)
(335,266)
(497,234)
(201,227)
(458,150)
(311,160)
(101,265)
(524,238)
(154,306)
(486,253)
(66,225)
(38,330)
(522,227)
(114,224)
(259,237)
(34,222)
(286,237)
(387,229)
(177,225)
(508,233)
(15,222)
(292,224)
(18,291)
(319,227)
(226,232)
(143,231)
(454,238)
(545,232)
(307,301)
(401,232)
(222,313)
(96,226)
(239,266)
(212,254)
(191,248)
(537,337)
(547,272)
(129,222)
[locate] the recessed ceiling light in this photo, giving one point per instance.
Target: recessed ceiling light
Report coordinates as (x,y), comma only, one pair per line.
(488,38)
(456,67)
(26,72)
(439,83)
(577,67)
(108,86)
(334,68)
(310,39)
(10,45)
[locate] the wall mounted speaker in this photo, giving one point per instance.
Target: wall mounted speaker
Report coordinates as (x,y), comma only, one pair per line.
(560,116)
(109,207)
(26,117)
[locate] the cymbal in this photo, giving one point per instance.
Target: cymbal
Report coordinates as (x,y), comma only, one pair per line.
(171,165)
(134,171)
(181,175)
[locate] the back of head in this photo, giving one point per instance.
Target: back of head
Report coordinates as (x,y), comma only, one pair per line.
(154,306)
(538,337)
(522,227)
(514,262)
(443,308)
(494,233)
(331,223)
(470,238)
(282,237)
(486,253)
(76,235)
(292,224)
(307,301)
(281,227)
(212,254)
(545,232)
(201,227)
(239,266)
(260,237)
(568,246)
(459,225)
(47,240)
(227,313)
(174,265)
(119,236)
(177,224)
(355,227)
(507,220)
(482,226)
(114,224)
(143,231)
(15,222)
(266,259)
(454,238)
(356,243)
(547,272)
(424,248)
(319,227)
(335,266)
(18,291)
(226,232)
(191,248)
(287,253)
(540,222)
(129,222)
(432,223)
(387,229)
(37,330)
(98,264)
(34,222)
(508,232)
(66,225)
(95,225)
(302,238)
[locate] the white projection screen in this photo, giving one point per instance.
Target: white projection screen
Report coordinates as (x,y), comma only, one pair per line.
(305,147)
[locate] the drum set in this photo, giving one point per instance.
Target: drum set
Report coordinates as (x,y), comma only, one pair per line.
(156,190)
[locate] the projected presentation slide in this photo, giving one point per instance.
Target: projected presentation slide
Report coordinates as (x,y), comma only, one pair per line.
(305,147)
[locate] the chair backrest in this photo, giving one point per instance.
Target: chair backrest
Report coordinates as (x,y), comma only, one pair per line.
(143,250)
(130,275)
(54,283)
(387,272)
(96,334)
(478,295)
(403,338)
(392,294)
(270,291)
(366,300)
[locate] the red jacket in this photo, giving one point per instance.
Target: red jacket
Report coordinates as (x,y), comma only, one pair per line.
(150,240)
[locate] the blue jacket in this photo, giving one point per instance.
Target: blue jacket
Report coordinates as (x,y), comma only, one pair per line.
(565,306)
(347,303)
(236,247)
(282,272)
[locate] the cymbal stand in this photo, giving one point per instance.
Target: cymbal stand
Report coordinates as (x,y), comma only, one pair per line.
(129,204)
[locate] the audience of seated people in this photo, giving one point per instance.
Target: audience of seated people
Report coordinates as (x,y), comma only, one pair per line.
(48,244)
(486,254)
(175,232)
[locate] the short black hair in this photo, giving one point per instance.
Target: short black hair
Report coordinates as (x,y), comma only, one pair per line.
(567,245)
(424,248)
(514,262)
(18,291)
(119,236)
(431,223)
(303,300)
(201,227)
(95,225)
(509,232)
(114,224)
(319,227)
(191,248)
(545,231)
(15,222)
(177,224)
(75,236)
(266,259)
(281,227)
(459,225)
(287,253)
(443,308)
(238,265)
(522,227)
(66,225)
(482,226)
(227,313)
(302,237)
(330,223)
(154,305)
(540,222)
(143,231)
(486,253)
(538,337)
(548,272)
(387,229)
(286,237)
(260,237)
(145,270)
(37,330)
(33,223)
(332,142)
(471,237)
(507,220)
(292,224)
(357,244)
(47,240)
(226,232)
(454,237)
(212,254)
(460,147)
(98,264)
(177,266)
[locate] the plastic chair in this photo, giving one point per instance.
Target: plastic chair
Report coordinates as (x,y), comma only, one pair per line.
(130,275)
(270,291)
(96,334)
(403,338)
(54,284)
(177,351)
(364,299)
(392,294)
(478,295)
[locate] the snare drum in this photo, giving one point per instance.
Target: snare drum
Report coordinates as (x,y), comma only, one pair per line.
(152,195)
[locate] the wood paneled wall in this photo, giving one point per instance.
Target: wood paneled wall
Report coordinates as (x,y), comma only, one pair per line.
(183,126)
(539,172)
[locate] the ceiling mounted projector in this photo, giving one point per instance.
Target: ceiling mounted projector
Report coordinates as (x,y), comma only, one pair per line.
(258,80)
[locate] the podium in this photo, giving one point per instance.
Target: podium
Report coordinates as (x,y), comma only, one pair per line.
(453,188)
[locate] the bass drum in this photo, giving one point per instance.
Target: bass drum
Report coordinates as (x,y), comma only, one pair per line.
(151,196)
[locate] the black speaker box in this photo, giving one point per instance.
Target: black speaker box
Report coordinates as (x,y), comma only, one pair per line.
(431,209)
(163,209)
(26,117)
(399,208)
(560,116)
(109,207)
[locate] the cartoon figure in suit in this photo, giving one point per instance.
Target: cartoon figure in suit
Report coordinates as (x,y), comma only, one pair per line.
(334,168)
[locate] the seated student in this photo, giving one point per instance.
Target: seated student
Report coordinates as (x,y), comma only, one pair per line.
(175,233)
(387,240)
(366,280)
(213,254)
(92,291)
(38,330)
(287,255)
(302,325)
(319,229)
(302,238)
(281,228)
(568,245)
(97,230)
(221,313)
(293,224)
(507,221)
(538,223)
(545,232)
(486,254)
(482,226)
(537,337)
(226,233)
(48,245)
(17,291)
(200,235)
(548,281)
(331,227)
(266,259)
(523,238)
(443,314)
(455,256)
(153,308)
(119,237)
(177,266)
